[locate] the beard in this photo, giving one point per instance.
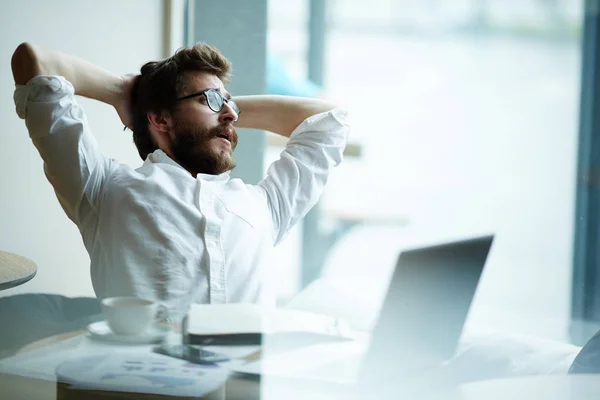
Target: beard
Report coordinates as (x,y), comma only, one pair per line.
(192,150)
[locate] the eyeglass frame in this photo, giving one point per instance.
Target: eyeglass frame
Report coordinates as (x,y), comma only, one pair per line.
(229,101)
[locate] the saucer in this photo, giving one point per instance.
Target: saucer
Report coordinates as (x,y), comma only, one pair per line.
(101,330)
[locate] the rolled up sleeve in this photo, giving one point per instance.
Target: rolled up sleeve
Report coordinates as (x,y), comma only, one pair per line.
(295,182)
(59,130)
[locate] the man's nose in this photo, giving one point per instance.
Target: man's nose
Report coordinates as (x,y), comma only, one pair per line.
(228,113)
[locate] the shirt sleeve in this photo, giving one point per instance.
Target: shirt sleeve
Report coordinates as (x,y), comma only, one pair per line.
(59,130)
(295,182)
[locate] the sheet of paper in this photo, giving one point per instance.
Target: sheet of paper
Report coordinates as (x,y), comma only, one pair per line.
(142,372)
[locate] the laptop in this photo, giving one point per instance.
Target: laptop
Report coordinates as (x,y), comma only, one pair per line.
(418,328)
(421,319)
(425,309)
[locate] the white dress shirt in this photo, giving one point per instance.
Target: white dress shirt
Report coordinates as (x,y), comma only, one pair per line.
(159,233)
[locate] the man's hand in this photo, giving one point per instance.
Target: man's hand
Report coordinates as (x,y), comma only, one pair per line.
(124,102)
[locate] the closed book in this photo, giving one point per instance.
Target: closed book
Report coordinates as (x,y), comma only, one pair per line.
(252,324)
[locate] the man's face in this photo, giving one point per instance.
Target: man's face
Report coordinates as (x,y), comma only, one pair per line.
(203,140)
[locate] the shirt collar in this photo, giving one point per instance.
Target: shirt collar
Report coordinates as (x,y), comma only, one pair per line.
(160,157)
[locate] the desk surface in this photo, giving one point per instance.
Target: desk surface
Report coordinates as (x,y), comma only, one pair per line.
(547,387)
(552,387)
(15,270)
(32,373)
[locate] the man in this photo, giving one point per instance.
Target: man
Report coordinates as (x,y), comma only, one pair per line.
(177,229)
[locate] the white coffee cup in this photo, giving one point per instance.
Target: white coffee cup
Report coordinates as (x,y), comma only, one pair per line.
(129,315)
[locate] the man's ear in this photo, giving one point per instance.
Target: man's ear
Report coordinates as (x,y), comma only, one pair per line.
(159,121)
(160,129)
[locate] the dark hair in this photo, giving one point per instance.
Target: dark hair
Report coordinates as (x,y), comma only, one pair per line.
(161,82)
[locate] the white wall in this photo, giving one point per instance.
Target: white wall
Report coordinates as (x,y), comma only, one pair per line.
(117,35)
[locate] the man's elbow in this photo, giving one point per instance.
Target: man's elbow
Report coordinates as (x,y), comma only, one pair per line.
(24,63)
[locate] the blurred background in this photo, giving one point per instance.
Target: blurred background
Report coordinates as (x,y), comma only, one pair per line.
(466,119)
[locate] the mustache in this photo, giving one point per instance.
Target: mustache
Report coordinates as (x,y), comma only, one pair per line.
(190,137)
(222,128)
(219,130)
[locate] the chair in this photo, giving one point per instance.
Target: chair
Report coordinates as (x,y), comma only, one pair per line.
(25,318)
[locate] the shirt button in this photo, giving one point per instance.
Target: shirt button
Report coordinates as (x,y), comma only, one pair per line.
(218,285)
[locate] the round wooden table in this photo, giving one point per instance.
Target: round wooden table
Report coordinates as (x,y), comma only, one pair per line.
(15,270)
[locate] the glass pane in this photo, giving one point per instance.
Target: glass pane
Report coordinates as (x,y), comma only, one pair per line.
(287,38)
(466,113)
(287,45)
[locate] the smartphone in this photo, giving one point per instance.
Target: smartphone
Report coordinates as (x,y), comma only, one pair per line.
(191,353)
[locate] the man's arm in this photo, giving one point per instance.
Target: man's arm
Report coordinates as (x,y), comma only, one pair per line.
(278,114)
(46,83)
(88,79)
(295,182)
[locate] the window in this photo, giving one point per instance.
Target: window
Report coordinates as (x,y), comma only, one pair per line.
(466,115)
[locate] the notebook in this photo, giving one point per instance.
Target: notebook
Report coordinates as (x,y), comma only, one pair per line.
(249,324)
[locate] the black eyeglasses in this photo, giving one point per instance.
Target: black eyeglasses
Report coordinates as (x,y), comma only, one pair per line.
(214,100)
